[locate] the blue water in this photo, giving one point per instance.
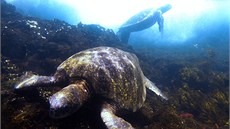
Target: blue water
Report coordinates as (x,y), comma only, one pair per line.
(190,28)
(185,21)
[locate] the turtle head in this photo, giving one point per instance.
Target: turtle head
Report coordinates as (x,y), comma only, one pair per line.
(68,100)
(165,8)
(60,105)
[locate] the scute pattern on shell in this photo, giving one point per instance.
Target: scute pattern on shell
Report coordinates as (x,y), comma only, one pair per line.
(111,72)
(140,17)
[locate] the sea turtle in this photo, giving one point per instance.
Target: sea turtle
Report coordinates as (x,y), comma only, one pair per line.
(143,20)
(110,73)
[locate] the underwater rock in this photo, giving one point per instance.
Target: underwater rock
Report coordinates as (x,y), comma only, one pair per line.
(35,39)
(186,115)
(9,71)
(190,74)
(211,53)
(8,11)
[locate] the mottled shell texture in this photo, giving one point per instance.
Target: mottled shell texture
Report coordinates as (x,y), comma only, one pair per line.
(140,17)
(111,73)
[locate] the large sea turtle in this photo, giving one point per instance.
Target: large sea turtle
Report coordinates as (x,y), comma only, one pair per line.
(143,20)
(110,73)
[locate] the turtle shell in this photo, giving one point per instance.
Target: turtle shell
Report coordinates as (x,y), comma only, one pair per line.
(139,18)
(112,73)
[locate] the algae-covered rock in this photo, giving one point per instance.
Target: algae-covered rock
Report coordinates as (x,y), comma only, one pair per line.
(190,74)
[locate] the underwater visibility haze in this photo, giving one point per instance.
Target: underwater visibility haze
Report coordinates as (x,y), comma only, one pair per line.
(184,21)
(183,56)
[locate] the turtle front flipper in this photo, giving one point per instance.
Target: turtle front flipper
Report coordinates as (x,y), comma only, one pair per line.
(150,85)
(111,120)
(69,99)
(160,21)
(29,80)
(32,81)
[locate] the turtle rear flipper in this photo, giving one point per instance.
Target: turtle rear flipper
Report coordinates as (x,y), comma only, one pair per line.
(123,35)
(150,85)
(111,120)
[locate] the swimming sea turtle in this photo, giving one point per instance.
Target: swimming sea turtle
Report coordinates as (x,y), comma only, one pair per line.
(143,20)
(110,73)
